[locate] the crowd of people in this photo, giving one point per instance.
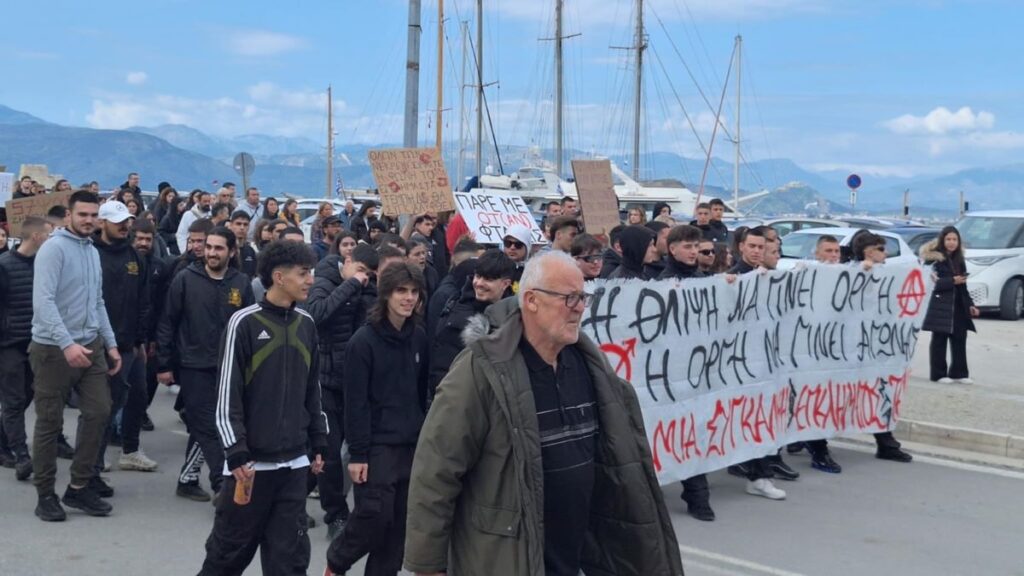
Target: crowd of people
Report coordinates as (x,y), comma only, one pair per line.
(443,382)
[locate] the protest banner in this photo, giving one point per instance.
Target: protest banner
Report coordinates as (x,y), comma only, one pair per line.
(18,210)
(411,180)
(490,214)
(597,194)
(729,372)
(6,186)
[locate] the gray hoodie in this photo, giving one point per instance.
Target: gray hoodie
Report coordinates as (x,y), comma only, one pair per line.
(67,296)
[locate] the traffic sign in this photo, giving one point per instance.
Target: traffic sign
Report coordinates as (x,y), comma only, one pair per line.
(853,181)
(244,163)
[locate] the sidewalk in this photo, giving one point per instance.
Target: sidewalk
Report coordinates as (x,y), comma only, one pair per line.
(987,416)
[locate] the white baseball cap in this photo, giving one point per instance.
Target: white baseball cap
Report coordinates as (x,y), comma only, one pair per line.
(114,211)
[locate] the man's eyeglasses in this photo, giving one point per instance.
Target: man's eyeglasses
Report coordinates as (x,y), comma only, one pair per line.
(591,259)
(514,244)
(571,299)
(706,252)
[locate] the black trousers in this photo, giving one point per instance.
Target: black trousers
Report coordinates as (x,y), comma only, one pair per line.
(377,525)
(274,521)
(199,395)
(695,490)
(957,343)
(15,396)
(757,469)
(333,482)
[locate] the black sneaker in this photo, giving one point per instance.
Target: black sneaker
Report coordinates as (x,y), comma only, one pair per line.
(100,487)
(701,511)
(738,470)
(781,470)
(795,448)
(894,454)
(825,463)
(50,510)
(64,450)
(23,469)
(147,424)
(87,501)
(335,528)
(192,492)
(7,459)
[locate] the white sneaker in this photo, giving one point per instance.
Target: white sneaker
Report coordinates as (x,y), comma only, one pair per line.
(945,380)
(764,487)
(106,466)
(174,389)
(137,461)
(964,381)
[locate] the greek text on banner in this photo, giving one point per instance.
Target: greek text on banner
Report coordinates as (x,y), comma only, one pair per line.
(726,372)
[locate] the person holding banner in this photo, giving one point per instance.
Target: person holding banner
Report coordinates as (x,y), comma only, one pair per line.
(638,250)
(533,458)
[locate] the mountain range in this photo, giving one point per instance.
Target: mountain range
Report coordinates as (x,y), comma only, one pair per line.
(190,158)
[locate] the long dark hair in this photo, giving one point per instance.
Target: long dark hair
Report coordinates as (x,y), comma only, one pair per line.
(956,257)
(395,276)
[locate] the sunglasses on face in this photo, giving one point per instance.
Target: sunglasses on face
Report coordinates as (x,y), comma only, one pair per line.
(514,244)
(591,259)
(706,252)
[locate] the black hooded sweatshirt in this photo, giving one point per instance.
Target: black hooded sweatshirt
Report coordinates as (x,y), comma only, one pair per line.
(675,269)
(385,387)
(741,267)
(449,289)
(125,290)
(610,260)
(634,241)
(716,231)
(446,342)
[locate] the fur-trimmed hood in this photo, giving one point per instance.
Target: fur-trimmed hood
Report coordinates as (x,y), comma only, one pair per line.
(481,325)
(929,252)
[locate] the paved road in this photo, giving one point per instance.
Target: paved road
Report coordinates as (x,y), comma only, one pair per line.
(877,517)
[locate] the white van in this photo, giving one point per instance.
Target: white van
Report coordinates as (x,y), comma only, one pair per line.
(994,249)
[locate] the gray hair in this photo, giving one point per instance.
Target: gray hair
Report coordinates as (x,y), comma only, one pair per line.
(536,270)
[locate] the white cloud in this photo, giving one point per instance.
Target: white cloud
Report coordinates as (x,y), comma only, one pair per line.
(941,121)
(262,42)
(136,78)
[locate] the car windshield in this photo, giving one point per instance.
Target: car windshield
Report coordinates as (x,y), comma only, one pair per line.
(986,232)
(800,245)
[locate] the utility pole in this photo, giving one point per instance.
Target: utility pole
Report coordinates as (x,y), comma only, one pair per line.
(479,87)
(330,144)
(736,164)
(412,77)
(640,46)
(440,71)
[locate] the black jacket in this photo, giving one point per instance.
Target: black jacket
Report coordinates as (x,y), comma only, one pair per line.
(385,387)
(16,275)
(448,290)
(446,342)
(268,407)
(338,308)
(197,310)
(125,291)
(675,269)
(610,260)
(741,267)
(159,272)
(716,231)
(949,310)
(247,260)
(322,250)
(634,241)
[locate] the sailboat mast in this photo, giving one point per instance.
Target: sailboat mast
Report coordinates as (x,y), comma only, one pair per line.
(412,77)
(638,89)
(559,92)
(330,143)
(479,87)
(736,163)
(440,69)
(462,106)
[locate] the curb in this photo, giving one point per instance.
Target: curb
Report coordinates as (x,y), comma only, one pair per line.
(1003,445)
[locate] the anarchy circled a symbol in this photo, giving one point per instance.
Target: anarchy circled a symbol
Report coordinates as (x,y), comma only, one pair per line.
(624,366)
(911,295)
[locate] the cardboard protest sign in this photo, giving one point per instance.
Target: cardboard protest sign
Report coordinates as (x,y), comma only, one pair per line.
(411,180)
(597,194)
(18,210)
(6,186)
(729,372)
(489,215)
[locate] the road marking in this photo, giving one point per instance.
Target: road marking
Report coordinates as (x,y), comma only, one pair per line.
(937,461)
(690,564)
(735,562)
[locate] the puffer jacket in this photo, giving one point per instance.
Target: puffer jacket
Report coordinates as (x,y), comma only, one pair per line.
(16,274)
(339,309)
(476,495)
(949,309)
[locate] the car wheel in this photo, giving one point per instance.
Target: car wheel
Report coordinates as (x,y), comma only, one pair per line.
(1011,301)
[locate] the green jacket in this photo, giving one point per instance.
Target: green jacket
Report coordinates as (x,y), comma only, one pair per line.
(476,497)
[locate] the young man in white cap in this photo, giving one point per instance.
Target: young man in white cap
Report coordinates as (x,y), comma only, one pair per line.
(517,243)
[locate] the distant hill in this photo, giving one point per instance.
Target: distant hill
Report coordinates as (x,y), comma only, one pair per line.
(12,116)
(188,138)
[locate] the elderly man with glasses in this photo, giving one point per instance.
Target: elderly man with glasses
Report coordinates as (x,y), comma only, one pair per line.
(532,437)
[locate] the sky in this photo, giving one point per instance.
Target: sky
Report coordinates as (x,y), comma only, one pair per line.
(883,87)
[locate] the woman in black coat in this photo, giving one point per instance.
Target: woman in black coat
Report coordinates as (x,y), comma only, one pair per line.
(950,309)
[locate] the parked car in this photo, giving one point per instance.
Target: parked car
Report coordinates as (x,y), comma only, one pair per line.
(800,245)
(994,249)
(786,226)
(916,236)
